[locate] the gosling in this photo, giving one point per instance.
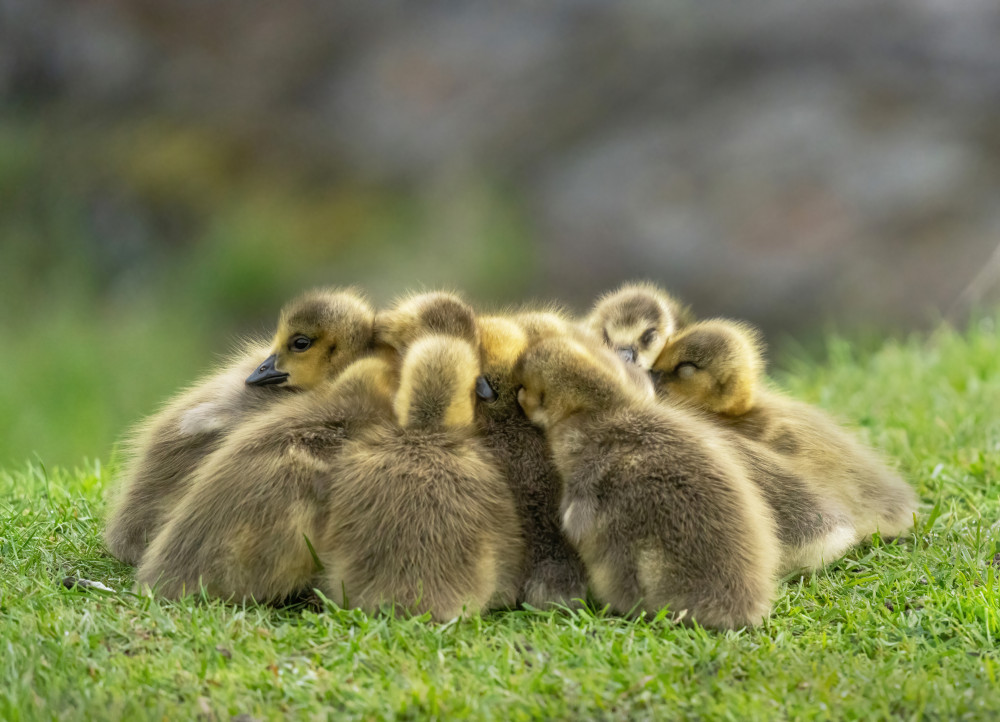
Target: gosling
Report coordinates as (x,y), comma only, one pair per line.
(420,518)
(654,501)
(553,573)
(419,314)
(636,320)
(318,335)
(249,526)
(717,366)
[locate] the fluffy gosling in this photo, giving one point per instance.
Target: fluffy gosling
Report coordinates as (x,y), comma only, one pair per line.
(318,335)
(652,498)
(249,526)
(717,366)
(419,515)
(636,320)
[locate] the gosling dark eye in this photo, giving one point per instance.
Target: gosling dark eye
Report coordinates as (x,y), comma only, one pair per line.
(484,391)
(685,370)
(300,343)
(648,337)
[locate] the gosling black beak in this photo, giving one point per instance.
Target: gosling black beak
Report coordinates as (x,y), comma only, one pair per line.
(266,374)
(484,390)
(627,354)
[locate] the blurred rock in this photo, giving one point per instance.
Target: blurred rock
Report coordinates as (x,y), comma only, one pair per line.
(786,161)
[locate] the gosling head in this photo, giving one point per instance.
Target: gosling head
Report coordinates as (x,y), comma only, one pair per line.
(636,321)
(713,365)
(319,334)
(501,342)
(437,312)
(559,377)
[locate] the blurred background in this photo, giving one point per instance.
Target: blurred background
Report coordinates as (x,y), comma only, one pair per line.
(172,170)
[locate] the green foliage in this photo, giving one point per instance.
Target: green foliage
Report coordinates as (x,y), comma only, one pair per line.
(905,630)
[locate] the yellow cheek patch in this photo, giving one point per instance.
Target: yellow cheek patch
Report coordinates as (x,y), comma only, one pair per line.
(667,360)
(502,341)
(304,370)
(463,360)
(459,413)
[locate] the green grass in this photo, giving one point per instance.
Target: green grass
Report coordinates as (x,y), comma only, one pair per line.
(905,630)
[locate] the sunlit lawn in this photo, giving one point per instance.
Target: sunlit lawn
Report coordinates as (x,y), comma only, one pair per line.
(904,630)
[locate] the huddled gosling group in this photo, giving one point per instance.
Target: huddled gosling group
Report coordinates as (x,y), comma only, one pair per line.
(430,459)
